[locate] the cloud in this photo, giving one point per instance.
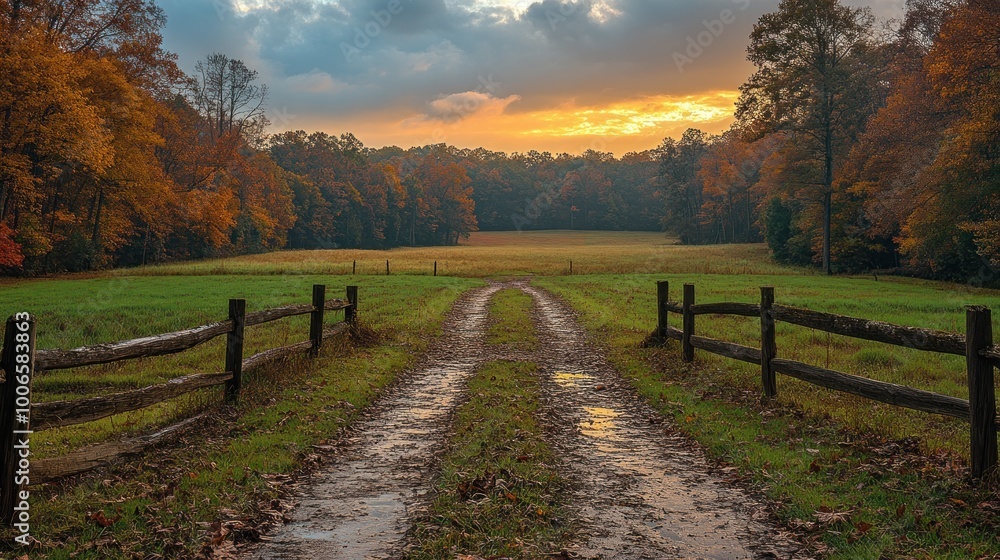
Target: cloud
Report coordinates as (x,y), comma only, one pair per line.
(408,56)
(459,106)
(314,81)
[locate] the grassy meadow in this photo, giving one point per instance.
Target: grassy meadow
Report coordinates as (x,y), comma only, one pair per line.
(485,254)
(812,451)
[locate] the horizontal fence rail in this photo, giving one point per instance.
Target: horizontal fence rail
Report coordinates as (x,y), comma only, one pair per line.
(56,414)
(909,337)
(167,343)
(976,345)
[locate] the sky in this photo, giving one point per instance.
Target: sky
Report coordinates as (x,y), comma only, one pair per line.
(507,75)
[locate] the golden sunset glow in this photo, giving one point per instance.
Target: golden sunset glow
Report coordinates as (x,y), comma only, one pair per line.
(636,117)
(619,127)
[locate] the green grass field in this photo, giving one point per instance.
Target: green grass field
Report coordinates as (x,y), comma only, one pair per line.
(612,287)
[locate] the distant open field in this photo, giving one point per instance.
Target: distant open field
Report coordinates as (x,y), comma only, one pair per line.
(505,253)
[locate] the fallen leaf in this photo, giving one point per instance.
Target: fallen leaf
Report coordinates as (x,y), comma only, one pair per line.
(99,518)
(863,527)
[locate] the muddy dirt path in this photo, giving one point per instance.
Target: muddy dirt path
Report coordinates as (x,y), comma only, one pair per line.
(640,491)
(357,507)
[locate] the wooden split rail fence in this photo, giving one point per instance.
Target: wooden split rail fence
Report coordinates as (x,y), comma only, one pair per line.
(976,345)
(48,415)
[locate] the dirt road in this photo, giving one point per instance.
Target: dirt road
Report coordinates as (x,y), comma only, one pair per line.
(640,490)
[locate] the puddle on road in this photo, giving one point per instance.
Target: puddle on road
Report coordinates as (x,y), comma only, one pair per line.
(601,422)
(358,506)
(639,492)
(569,379)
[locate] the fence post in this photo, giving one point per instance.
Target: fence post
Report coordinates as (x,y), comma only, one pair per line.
(768,342)
(316,319)
(354,268)
(688,320)
(662,297)
(387,267)
(351,313)
(982,391)
(234,349)
(435,268)
(18,363)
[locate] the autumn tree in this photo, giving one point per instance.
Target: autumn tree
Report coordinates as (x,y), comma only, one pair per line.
(925,168)
(812,80)
(730,173)
(81,81)
(680,164)
(446,194)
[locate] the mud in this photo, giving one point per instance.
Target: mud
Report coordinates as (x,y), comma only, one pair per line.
(640,491)
(358,506)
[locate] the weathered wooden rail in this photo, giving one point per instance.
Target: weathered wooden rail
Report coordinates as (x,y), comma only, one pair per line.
(56,414)
(976,345)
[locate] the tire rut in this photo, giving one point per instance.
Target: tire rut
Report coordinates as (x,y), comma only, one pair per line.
(641,491)
(358,506)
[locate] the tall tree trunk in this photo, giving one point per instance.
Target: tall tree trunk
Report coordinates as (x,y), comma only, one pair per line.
(732,220)
(95,236)
(827,180)
(413,225)
(749,217)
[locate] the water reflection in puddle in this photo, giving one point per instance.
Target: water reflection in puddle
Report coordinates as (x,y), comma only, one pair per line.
(569,379)
(600,424)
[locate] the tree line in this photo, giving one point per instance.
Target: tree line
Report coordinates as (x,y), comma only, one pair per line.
(856,146)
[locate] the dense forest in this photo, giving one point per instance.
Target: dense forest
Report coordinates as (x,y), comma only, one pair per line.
(857,145)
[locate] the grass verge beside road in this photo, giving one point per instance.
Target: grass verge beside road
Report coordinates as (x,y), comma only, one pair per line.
(865,480)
